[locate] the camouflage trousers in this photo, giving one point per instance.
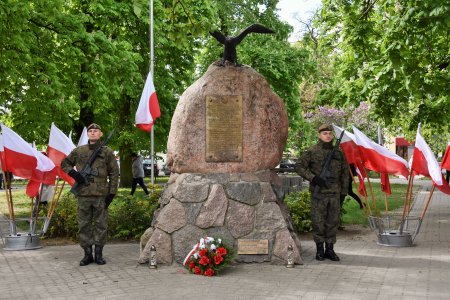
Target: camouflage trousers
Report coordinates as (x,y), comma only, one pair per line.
(92,221)
(325,216)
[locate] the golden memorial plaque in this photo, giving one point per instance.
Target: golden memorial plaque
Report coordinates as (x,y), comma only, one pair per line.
(253,246)
(223,128)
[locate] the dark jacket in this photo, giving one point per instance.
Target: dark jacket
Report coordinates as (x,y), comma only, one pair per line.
(310,164)
(108,171)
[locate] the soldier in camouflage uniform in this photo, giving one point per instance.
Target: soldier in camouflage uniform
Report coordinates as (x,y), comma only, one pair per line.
(325,205)
(94,196)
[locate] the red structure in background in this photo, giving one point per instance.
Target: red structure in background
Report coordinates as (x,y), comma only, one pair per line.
(401,147)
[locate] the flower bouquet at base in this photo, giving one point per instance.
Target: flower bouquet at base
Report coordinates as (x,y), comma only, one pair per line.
(208,257)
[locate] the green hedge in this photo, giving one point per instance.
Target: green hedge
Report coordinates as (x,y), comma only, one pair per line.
(299,204)
(128,216)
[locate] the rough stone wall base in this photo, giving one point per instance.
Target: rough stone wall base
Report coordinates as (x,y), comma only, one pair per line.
(230,206)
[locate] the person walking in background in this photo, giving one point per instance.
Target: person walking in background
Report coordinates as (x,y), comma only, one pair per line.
(155,170)
(352,173)
(325,205)
(137,168)
(95,195)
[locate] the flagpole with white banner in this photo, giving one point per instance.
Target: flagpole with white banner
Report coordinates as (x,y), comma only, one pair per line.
(148,109)
(152,73)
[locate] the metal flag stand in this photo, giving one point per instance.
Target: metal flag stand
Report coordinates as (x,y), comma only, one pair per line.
(27,240)
(18,240)
(400,230)
(394,230)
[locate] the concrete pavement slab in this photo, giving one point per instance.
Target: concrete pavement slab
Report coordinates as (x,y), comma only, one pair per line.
(366,271)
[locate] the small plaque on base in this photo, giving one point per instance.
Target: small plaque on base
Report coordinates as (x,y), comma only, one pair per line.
(253,246)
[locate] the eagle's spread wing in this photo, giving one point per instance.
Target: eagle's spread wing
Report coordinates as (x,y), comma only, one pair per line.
(257,28)
(219,36)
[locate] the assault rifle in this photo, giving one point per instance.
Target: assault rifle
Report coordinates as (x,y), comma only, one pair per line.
(325,172)
(87,172)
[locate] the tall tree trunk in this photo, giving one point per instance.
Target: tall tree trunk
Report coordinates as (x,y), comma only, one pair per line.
(125,125)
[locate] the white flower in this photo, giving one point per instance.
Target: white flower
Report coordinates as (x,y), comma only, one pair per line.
(209,239)
(213,247)
(195,255)
(220,241)
(202,241)
(202,246)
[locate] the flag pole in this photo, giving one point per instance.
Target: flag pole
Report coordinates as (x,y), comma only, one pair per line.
(380,142)
(425,207)
(152,157)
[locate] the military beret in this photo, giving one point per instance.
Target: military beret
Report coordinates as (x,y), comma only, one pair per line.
(94,126)
(325,127)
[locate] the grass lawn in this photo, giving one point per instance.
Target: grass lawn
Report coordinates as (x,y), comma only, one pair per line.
(354,215)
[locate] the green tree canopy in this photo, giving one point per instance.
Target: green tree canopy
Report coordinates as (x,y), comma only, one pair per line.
(392,54)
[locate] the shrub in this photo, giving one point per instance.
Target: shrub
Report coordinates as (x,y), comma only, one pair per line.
(64,222)
(128,216)
(299,204)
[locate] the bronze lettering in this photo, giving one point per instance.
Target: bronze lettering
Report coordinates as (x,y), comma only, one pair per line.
(223,128)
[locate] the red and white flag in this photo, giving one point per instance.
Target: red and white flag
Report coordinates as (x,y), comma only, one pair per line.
(24,161)
(361,175)
(445,164)
(385,184)
(2,159)
(59,147)
(379,159)
(148,109)
(425,163)
(84,139)
(349,146)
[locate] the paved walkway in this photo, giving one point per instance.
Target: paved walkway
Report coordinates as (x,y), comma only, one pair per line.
(366,271)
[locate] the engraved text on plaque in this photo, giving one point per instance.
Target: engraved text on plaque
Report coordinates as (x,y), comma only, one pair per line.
(223,128)
(246,246)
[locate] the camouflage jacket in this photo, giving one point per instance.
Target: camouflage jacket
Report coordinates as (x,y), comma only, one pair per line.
(108,171)
(310,164)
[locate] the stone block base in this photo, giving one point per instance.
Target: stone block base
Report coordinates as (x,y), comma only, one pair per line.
(230,206)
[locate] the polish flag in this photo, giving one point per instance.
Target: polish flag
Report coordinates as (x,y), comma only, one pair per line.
(59,147)
(425,163)
(446,159)
(38,177)
(25,161)
(84,139)
(148,109)
(349,146)
(2,151)
(379,159)
(385,184)
(361,175)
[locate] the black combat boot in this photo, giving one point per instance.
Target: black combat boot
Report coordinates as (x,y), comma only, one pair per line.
(99,255)
(329,252)
(320,252)
(87,259)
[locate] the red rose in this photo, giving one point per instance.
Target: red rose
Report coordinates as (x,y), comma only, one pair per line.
(203,252)
(197,271)
(209,272)
(204,261)
(221,251)
(191,265)
(218,259)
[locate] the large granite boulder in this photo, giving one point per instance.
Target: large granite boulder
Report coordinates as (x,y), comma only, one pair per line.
(228,131)
(264,123)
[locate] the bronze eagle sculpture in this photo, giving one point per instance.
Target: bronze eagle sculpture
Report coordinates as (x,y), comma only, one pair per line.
(230,43)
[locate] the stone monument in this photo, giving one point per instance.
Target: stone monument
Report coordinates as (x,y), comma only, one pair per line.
(228,131)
